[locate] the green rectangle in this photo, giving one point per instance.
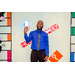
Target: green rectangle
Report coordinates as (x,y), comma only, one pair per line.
(73,14)
(72,30)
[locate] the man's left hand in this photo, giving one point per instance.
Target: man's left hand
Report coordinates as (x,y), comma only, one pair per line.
(46,58)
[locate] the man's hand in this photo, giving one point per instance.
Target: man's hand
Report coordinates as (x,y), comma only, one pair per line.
(25,29)
(46,59)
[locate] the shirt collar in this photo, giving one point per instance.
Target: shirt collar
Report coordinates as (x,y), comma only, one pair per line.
(38,30)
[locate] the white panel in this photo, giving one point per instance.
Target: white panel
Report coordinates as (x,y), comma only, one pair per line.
(5,14)
(3,55)
(72,39)
(73,21)
(72,25)
(5,30)
(3,22)
(3,36)
(72,48)
(7,46)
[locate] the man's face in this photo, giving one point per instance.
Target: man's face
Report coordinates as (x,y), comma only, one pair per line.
(40,25)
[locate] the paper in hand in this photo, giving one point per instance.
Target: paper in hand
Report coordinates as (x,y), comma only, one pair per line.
(27,24)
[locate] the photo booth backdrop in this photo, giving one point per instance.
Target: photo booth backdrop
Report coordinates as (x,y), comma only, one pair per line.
(58,40)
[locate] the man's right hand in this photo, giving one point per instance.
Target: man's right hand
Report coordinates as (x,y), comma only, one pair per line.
(25,29)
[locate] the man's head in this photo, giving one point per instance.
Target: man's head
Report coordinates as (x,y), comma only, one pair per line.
(40,25)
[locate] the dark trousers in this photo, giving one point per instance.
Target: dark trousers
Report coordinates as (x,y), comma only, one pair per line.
(38,55)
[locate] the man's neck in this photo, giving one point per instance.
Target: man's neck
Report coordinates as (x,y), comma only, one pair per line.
(39,30)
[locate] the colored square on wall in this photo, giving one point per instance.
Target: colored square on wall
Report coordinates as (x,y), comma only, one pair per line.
(56,56)
(72,30)
(8,14)
(72,56)
(73,14)
(8,56)
(9,37)
(22,24)
(8,22)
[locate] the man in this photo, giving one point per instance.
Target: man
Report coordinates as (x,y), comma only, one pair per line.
(40,44)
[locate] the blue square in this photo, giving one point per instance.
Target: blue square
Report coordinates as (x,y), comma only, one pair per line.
(22,24)
(72,56)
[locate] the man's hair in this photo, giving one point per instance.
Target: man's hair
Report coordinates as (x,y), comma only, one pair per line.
(40,20)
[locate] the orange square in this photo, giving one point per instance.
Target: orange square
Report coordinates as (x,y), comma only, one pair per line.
(8,37)
(8,14)
(56,56)
(8,22)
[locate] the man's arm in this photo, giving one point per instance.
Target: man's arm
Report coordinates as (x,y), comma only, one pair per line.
(28,39)
(46,48)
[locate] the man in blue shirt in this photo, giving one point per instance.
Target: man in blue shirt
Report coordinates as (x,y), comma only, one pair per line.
(40,43)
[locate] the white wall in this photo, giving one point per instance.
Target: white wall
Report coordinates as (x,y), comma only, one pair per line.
(58,40)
